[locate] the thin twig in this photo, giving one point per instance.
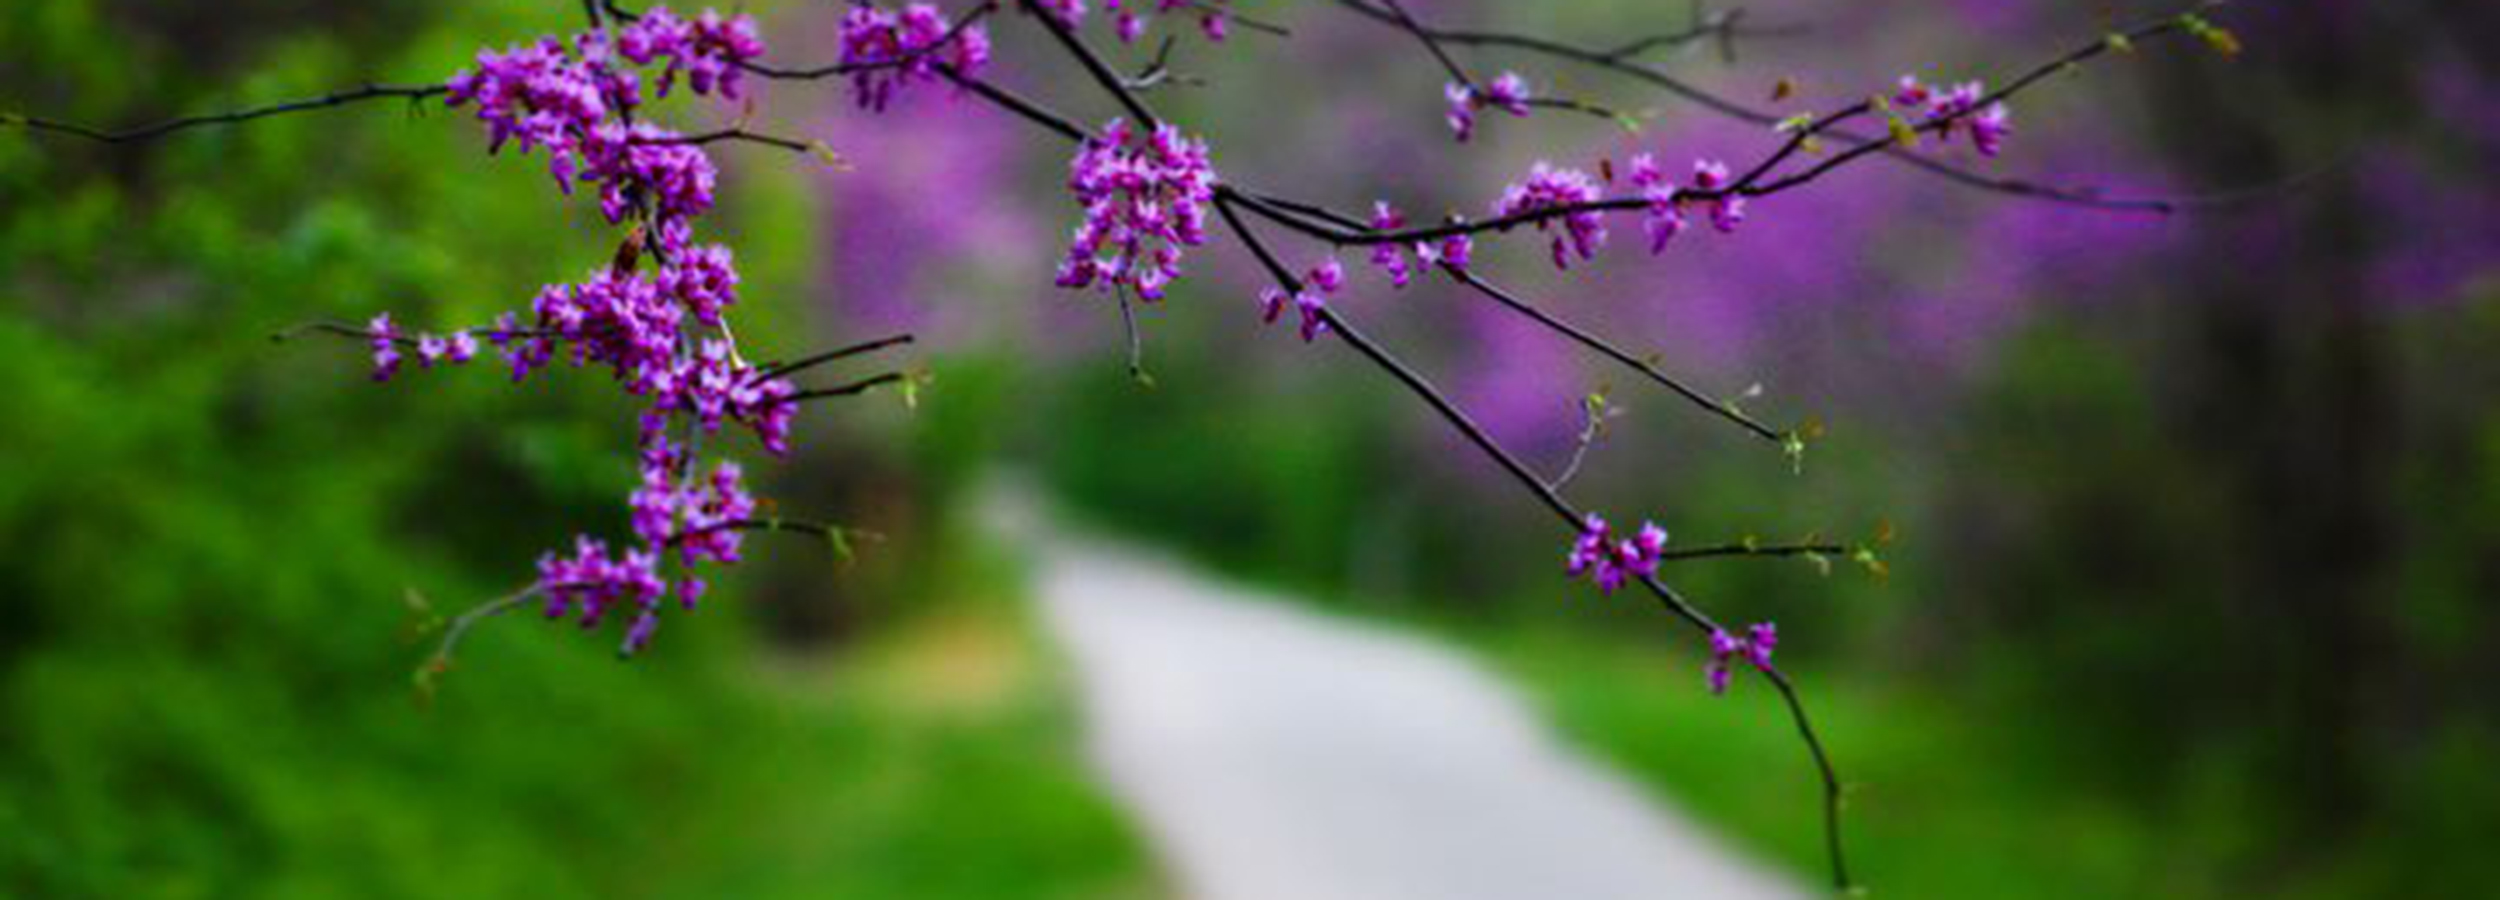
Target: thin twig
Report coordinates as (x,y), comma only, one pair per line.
(1414,28)
(160,129)
(2085,197)
(848,390)
(777,370)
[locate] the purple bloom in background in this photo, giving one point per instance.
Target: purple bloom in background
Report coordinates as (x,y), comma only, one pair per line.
(890,236)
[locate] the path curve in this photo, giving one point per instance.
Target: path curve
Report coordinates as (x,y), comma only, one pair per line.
(1272,752)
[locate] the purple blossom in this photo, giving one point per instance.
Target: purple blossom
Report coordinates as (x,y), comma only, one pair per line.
(1272,303)
(1314,309)
(889,50)
(1462,112)
(385,340)
(1320,281)
(590,582)
(708,49)
(1727,209)
(1754,648)
(1609,561)
(431,349)
(1070,13)
(1390,258)
(1959,107)
(1989,128)
(1509,92)
(1457,251)
(1550,188)
(1664,219)
(1911,93)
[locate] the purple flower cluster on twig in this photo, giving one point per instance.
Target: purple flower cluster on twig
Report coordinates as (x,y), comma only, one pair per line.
(1144,200)
(1609,560)
(1754,648)
(1507,92)
(886,50)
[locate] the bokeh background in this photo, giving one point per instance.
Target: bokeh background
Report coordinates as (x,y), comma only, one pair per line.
(2197,517)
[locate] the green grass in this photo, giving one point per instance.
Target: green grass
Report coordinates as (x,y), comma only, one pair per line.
(1941,804)
(938,761)
(934,758)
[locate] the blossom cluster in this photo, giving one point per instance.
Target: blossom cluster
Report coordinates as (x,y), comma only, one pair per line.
(661,330)
(1569,197)
(886,50)
(1958,106)
(1144,199)
(1551,188)
(1318,284)
(1609,560)
(386,339)
(1755,648)
(1402,262)
(1509,93)
(709,49)
(576,100)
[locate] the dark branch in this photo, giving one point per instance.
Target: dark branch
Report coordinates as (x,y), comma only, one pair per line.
(852,389)
(1622,65)
(1094,66)
(160,129)
(777,370)
(1717,407)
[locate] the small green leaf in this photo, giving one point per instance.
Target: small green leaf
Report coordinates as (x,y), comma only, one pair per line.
(825,152)
(2119,43)
(1902,132)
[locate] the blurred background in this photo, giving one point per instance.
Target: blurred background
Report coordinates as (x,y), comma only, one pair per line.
(2197,518)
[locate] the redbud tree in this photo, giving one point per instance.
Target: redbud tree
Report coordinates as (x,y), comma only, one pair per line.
(1144,195)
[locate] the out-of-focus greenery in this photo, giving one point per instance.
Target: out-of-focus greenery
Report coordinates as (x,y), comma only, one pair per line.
(2040,716)
(205,680)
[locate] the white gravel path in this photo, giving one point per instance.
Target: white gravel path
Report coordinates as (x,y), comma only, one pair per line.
(1273,753)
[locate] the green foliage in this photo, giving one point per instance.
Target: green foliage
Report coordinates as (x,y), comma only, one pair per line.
(205,678)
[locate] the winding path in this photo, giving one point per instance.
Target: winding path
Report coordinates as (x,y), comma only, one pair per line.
(1272,753)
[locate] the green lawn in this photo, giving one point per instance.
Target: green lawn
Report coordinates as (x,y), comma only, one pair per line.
(1940,805)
